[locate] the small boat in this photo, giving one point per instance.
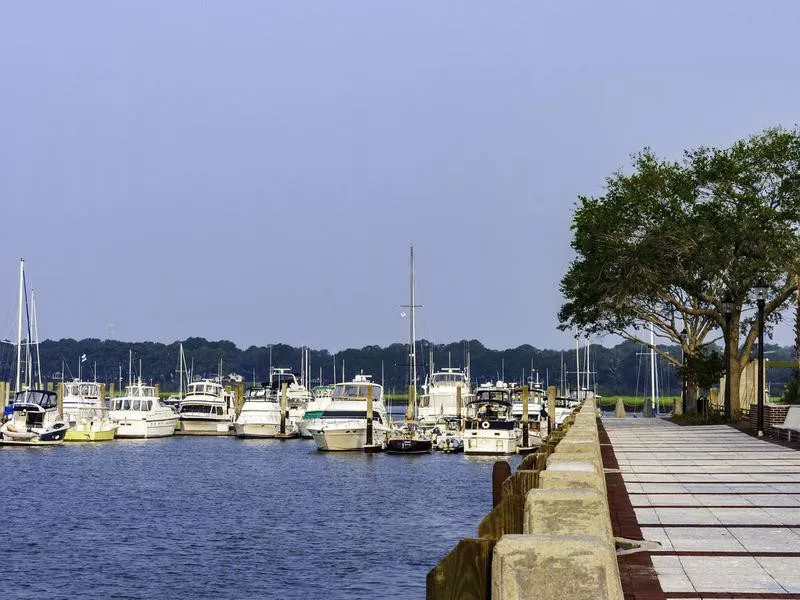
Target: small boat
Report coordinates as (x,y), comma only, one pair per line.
(409,439)
(34,420)
(84,411)
(492,429)
(140,413)
(207,409)
(447,435)
(260,416)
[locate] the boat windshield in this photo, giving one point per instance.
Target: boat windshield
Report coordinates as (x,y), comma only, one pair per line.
(204,388)
(493,411)
(140,391)
(493,396)
(255,394)
(44,398)
(79,388)
(205,409)
(356,391)
(448,379)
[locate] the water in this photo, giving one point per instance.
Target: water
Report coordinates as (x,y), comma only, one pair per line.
(194,517)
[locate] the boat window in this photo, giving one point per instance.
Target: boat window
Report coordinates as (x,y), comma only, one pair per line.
(126,404)
(146,405)
(448,378)
(135,405)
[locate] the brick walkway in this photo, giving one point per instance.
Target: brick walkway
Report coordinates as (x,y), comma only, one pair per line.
(725,508)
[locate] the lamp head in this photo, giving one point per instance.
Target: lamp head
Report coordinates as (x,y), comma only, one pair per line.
(728,305)
(761,288)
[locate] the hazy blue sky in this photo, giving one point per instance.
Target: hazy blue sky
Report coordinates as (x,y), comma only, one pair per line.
(256,170)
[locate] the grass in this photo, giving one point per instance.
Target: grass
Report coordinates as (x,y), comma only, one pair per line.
(665,402)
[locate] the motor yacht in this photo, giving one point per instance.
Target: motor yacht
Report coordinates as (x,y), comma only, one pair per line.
(84,410)
(492,429)
(343,424)
(440,396)
(140,413)
(260,416)
(207,409)
(34,420)
(297,395)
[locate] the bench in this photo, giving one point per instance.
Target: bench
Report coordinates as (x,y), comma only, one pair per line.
(790,424)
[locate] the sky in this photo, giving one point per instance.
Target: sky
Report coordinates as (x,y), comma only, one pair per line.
(256,170)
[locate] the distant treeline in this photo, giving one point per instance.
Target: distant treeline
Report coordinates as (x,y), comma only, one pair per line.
(621,370)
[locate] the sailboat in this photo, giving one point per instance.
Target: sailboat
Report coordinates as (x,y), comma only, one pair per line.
(409,437)
(36,416)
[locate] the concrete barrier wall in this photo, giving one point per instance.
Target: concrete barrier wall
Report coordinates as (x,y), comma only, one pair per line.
(567,547)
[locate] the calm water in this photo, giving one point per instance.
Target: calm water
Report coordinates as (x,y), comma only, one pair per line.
(191,517)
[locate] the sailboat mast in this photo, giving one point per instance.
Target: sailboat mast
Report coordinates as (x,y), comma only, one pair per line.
(36,338)
(19,321)
(577,368)
(586,383)
(413,343)
(130,367)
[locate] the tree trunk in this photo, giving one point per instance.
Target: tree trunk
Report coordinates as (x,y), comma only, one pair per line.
(691,398)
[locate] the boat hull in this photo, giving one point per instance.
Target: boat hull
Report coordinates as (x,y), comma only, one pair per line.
(141,429)
(88,435)
(490,441)
(344,439)
(193,426)
(401,446)
(256,430)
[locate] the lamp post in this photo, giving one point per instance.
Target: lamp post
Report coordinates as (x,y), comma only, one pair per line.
(684,338)
(728,308)
(760,289)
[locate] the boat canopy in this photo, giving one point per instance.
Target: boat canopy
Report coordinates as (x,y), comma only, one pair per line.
(356,391)
(86,389)
(206,409)
(332,413)
(44,398)
(256,393)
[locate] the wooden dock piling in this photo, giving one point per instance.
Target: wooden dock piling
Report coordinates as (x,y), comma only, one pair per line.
(60,400)
(283,408)
(551,409)
(525,424)
(369,415)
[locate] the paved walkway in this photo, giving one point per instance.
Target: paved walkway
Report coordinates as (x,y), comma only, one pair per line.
(724,506)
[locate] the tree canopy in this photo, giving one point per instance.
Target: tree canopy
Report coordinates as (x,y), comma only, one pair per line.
(666,243)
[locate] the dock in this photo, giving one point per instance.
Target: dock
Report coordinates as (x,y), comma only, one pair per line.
(724,508)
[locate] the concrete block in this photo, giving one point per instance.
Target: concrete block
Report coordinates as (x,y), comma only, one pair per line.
(575,511)
(546,567)
(567,446)
(552,479)
(572,461)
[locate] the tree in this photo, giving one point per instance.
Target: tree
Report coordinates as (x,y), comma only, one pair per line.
(665,244)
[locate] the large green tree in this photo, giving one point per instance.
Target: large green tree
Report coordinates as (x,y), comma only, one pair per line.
(669,241)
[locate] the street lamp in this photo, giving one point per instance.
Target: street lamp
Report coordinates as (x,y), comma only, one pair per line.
(684,337)
(760,289)
(728,306)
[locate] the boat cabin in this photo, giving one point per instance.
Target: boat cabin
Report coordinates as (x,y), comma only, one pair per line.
(449,377)
(357,390)
(31,406)
(256,394)
(491,409)
(204,388)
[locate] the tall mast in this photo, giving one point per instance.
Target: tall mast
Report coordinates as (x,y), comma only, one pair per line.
(586,383)
(36,338)
(130,367)
(19,321)
(412,345)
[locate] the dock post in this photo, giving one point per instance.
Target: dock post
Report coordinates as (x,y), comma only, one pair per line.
(525,416)
(411,403)
(103,397)
(458,406)
(60,399)
(551,409)
(283,408)
(238,397)
(158,390)
(3,393)
(369,415)
(501,471)
(110,392)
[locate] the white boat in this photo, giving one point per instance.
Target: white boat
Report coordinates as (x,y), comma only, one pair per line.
(207,409)
(260,416)
(492,429)
(321,398)
(297,395)
(84,411)
(34,420)
(343,424)
(140,413)
(439,398)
